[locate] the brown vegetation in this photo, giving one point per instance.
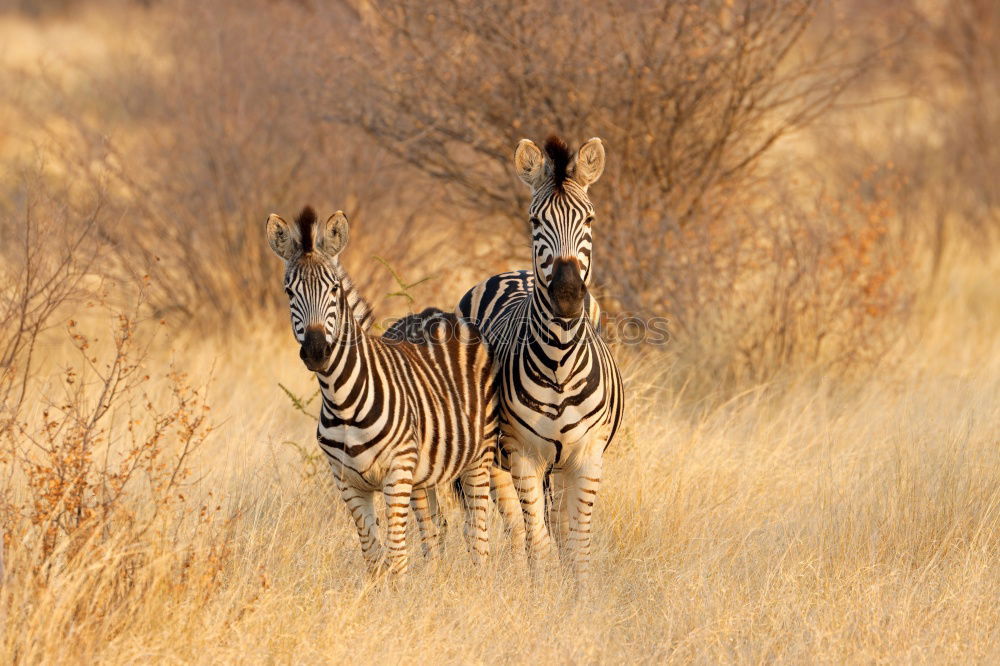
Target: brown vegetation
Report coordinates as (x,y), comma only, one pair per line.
(805,190)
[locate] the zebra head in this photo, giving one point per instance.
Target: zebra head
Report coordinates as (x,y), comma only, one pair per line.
(313,280)
(561,217)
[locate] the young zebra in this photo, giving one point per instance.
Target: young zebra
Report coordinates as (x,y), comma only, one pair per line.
(397,415)
(561,397)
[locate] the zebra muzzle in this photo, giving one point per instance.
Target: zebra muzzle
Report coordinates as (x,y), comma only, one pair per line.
(566,288)
(315,351)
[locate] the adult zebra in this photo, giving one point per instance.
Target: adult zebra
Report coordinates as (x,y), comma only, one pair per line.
(398,415)
(561,396)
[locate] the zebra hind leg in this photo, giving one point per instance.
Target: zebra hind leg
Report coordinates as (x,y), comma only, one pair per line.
(505,496)
(476,493)
(557,515)
(423,501)
(437,514)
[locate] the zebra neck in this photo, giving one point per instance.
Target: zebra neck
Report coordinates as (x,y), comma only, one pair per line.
(349,371)
(554,341)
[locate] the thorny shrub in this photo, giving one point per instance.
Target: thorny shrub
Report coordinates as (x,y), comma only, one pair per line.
(103,455)
(687,95)
(97,502)
(95,446)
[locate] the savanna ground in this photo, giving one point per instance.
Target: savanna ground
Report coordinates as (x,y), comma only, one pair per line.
(805,191)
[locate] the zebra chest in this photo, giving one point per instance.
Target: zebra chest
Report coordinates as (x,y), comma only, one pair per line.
(552,414)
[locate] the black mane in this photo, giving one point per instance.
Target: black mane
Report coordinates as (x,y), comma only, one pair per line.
(559,156)
(306,221)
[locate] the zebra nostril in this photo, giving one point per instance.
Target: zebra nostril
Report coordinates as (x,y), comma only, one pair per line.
(315,349)
(566,288)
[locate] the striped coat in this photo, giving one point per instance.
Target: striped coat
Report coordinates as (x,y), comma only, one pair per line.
(401,413)
(561,395)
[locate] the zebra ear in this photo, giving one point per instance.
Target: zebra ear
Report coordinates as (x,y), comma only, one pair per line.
(589,162)
(528,162)
(282,237)
(335,233)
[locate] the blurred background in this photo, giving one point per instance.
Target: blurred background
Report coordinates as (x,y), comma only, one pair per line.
(806,190)
(785,179)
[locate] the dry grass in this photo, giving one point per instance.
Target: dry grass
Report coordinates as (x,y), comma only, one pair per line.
(770,510)
(806,524)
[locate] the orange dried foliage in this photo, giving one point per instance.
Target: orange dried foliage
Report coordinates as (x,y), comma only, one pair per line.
(104,456)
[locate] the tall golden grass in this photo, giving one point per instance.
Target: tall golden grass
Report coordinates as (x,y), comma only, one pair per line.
(805,522)
(809,470)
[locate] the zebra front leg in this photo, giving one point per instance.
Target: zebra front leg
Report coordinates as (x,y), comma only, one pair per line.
(397,488)
(528,483)
(361,504)
(421,501)
(476,489)
(505,496)
(558,517)
(580,498)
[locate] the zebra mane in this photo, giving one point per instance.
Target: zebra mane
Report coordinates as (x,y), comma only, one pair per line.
(360,307)
(559,157)
(306,221)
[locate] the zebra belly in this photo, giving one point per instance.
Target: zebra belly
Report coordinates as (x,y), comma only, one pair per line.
(368,469)
(442,460)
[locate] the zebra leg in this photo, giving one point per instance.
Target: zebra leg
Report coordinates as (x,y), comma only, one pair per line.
(581,495)
(476,489)
(528,483)
(420,503)
(505,496)
(558,517)
(397,488)
(361,504)
(437,514)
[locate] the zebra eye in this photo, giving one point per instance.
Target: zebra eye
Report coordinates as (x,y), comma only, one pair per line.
(535,222)
(289,292)
(589,220)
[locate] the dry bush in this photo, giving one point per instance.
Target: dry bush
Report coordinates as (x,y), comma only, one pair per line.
(687,95)
(201,130)
(46,260)
(235,110)
(960,64)
(93,502)
(821,283)
(77,464)
(92,457)
(696,226)
(940,128)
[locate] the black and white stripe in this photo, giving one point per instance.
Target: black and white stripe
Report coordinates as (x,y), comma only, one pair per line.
(561,396)
(401,413)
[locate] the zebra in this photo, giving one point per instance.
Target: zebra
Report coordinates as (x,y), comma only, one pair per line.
(561,395)
(398,416)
